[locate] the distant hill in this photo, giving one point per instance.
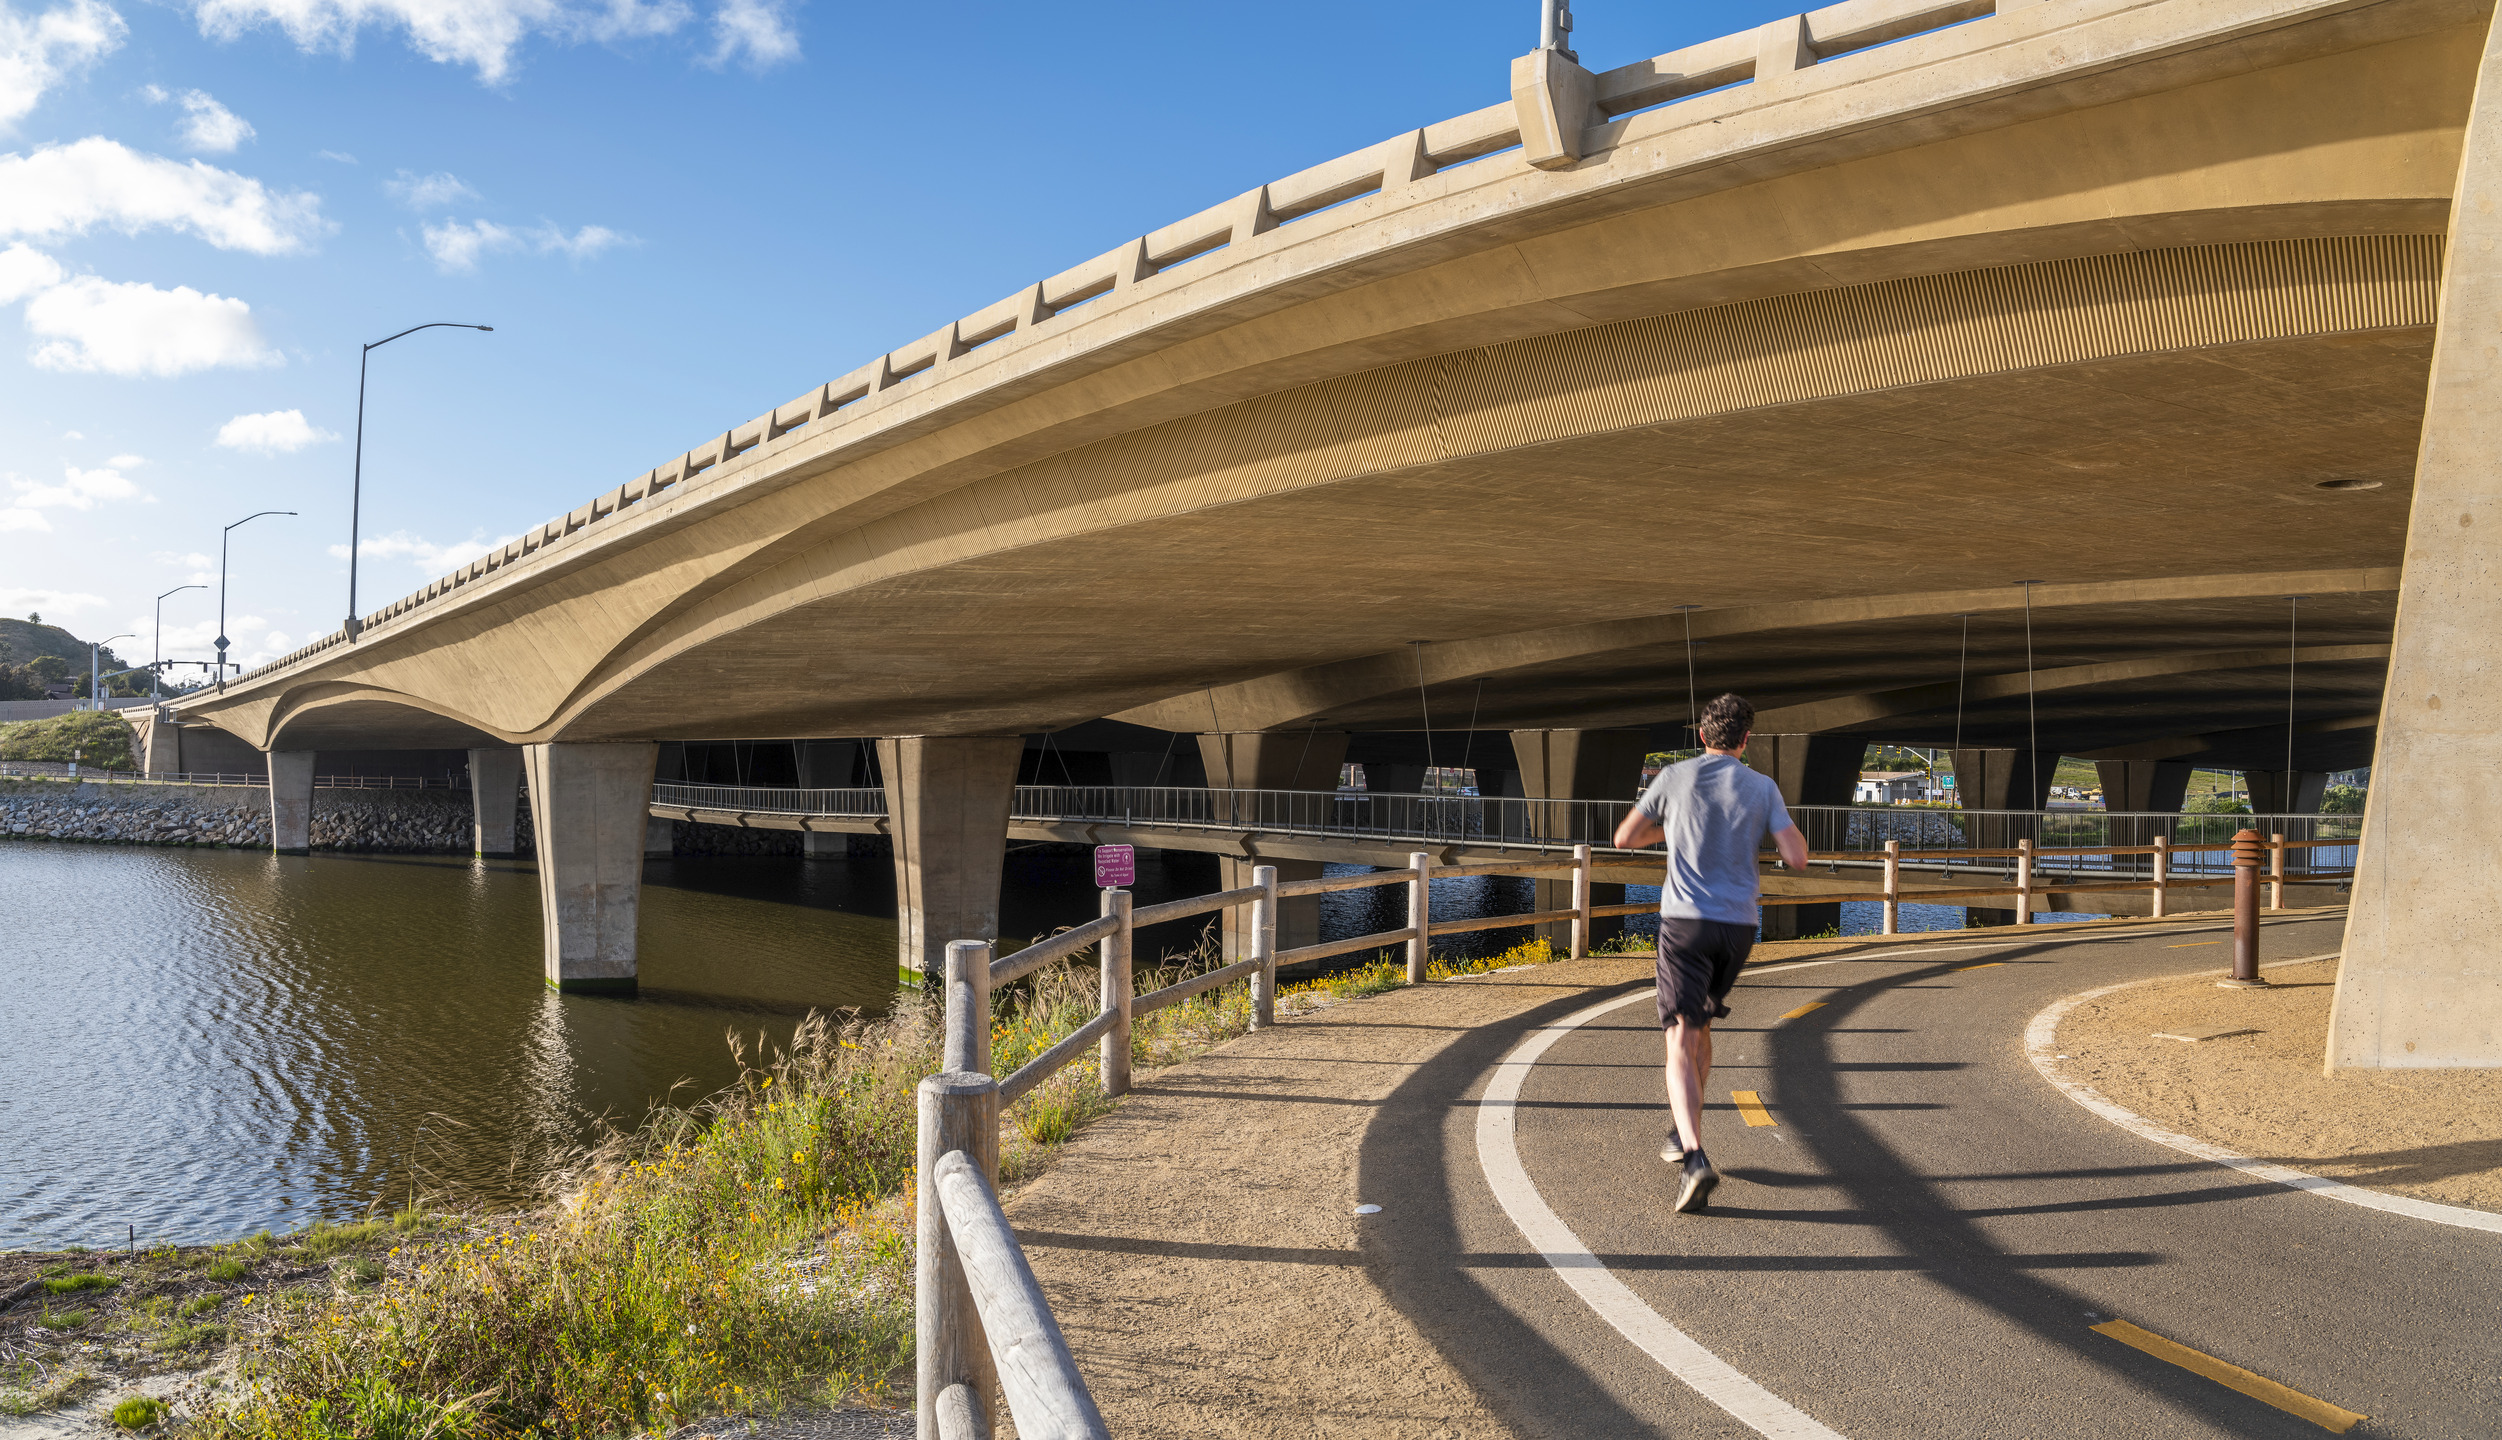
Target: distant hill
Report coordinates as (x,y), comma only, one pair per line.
(23,640)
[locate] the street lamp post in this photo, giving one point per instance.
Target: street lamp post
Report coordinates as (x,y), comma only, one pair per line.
(356,491)
(221,589)
(95,669)
(156,671)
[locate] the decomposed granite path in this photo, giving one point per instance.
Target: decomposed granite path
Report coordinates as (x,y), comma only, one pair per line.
(1919,1235)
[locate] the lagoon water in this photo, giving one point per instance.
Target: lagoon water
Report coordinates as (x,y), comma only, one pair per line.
(199,1043)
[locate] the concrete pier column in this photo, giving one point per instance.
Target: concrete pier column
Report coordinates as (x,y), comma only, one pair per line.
(1308,760)
(1381,777)
(291,802)
(1811,770)
(660,835)
(2286,792)
(828,765)
(2143,786)
(588,808)
(947,800)
(494,801)
(2001,780)
(1578,765)
(2421,980)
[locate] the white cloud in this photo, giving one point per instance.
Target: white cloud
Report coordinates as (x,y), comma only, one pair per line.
(757,30)
(133,328)
(23,272)
(78,490)
(338,156)
(457,245)
(17,601)
(207,125)
(428,192)
(422,554)
(482,34)
(62,190)
(13,518)
(278,432)
(37,53)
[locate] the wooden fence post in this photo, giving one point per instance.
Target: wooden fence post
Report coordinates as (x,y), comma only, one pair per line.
(968,1006)
(1118,991)
(2024,882)
(1264,948)
(2162,871)
(959,1111)
(1580,902)
(1893,888)
(1419,912)
(2276,872)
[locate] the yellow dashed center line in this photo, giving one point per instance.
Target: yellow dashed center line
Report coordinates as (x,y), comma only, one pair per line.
(1803,1009)
(1750,1107)
(2257,1387)
(1983,966)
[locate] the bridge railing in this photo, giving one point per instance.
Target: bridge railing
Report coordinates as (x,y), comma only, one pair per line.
(1245,225)
(89,775)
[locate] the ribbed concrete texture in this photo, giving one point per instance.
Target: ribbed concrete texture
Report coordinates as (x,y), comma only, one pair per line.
(947,799)
(1309,759)
(1578,765)
(291,802)
(495,800)
(589,809)
(2422,978)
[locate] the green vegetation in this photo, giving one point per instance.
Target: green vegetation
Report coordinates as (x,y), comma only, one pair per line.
(228,1268)
(72,1284)
(138,1412)
(2342,800)
(29,1390)
(101,738)
(65,1319)
(33,654)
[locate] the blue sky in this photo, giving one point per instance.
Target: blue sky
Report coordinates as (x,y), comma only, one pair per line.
(674,212)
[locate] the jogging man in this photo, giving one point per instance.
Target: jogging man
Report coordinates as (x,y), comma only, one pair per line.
(1714,813)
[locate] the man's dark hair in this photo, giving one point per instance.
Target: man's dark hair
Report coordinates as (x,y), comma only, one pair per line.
(1726,721)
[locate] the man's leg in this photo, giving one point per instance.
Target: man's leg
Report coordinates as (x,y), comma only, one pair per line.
(1689,1064)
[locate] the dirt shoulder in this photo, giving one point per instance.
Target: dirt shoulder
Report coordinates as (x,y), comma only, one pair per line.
(1200,1244)
(2432,1134)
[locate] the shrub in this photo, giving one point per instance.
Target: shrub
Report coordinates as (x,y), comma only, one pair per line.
(226,1269)
(72,1284)
(138,1412)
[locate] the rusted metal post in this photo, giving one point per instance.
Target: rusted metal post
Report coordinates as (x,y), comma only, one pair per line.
(1419,913)
(1893,888)
(2246,849)
(1117,991)
(1580,902)
(2162,871)
(2024,882)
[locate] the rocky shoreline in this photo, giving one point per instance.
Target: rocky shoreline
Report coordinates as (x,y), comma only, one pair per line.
(408,822)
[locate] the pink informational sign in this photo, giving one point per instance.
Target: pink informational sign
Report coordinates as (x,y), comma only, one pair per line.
(1116,866)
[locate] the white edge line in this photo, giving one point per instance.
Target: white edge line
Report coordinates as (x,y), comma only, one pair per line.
(1680,1354)
(2041,1047)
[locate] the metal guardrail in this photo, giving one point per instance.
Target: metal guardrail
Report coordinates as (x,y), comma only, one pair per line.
(63,770)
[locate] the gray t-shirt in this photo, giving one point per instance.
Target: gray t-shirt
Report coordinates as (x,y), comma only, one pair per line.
(1716,813)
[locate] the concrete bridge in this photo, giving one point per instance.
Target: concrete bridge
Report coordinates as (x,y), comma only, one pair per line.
(1928,372)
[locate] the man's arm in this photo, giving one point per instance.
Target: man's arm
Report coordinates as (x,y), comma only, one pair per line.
(1792,845)
(1639,831)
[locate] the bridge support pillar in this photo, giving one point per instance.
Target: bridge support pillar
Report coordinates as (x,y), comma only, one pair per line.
(660,836)
(2143,786)
(1307,760)
(2286,792)
(494,801)
(827,765)
(1811,770)
(1578,765)
(589,808)
(291,802)
(947,802)
(2001,780)
(2421,979)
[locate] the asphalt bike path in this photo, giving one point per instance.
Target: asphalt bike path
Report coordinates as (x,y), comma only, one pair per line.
(1918,1236)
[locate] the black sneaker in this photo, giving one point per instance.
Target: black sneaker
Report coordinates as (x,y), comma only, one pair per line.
(1695,1194)
(1674,1151)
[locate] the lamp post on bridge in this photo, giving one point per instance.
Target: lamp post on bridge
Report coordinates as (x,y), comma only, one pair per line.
(95,669)
(1555,28)
(156,668)
(356,490)
(221,589)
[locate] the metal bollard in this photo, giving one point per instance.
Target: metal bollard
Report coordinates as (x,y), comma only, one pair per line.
(2247,847)
(1117,992)
(1419,912)
(1264,948)
(1893,888)
(1581,902)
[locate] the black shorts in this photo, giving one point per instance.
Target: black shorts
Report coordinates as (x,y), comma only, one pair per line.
(1698,961)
